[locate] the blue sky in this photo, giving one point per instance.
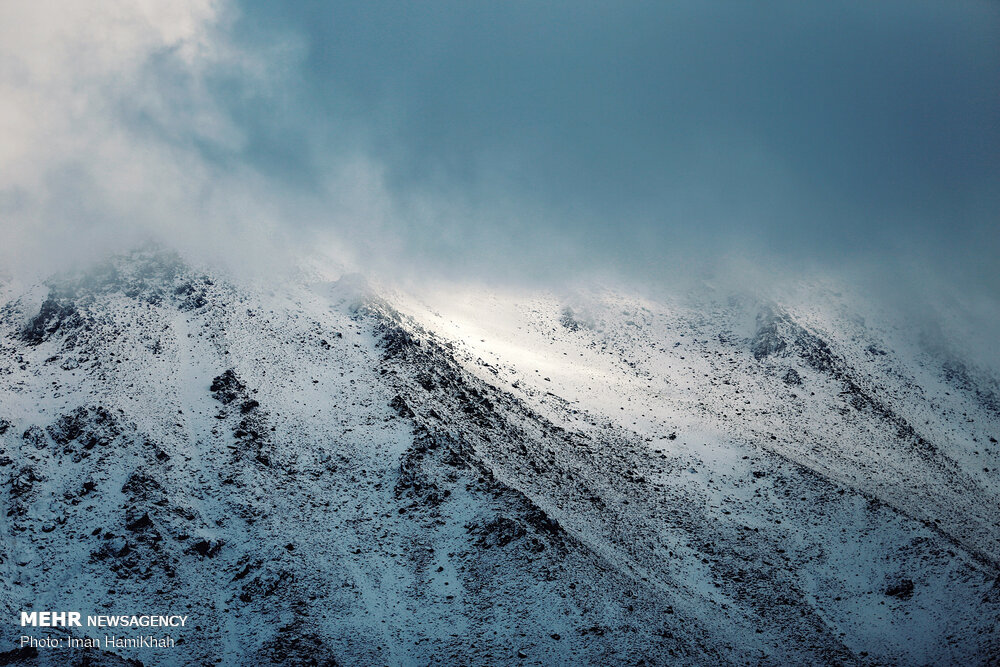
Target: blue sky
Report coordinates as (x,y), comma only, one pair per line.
(527,140)
(631,129)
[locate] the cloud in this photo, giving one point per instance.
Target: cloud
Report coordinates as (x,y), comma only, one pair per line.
(114,131)
(548,139)
(540,143)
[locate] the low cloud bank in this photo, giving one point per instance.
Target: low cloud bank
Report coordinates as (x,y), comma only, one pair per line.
(526,145)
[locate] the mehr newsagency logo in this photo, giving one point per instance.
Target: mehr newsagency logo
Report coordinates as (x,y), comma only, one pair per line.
(134,625)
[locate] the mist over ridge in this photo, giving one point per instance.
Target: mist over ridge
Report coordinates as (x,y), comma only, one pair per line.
(538,146)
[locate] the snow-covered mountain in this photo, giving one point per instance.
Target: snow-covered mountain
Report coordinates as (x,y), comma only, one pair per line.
(324,472)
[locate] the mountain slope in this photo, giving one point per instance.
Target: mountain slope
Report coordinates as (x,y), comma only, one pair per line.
(318,474)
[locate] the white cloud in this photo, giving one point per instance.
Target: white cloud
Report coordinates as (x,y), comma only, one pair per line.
(106,110)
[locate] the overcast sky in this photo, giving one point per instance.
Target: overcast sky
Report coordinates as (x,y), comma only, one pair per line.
(526,140)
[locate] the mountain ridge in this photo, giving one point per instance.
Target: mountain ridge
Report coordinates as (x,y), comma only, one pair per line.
(170,403)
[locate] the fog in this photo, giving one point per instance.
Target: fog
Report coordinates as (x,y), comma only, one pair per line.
(515,143)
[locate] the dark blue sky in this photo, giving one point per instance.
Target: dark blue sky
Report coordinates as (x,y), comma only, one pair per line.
(525,140)
(629,131)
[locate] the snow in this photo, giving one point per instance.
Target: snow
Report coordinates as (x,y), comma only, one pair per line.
(621,472)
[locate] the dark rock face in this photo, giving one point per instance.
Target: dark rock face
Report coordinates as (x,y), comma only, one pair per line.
(768,340)
(396,341)
(139,524)
(400,406)
(297,648)
(193,294)
(903,589)
(84,428)
(251,432)
(141,486)
(53,316)
(777,334)
(792,377)
(19,656)
(23,481)
(35,437)
(226,388)
(499,532)
(426,380)
(419,477)
(207,548)
(815,351)
(68,427)
(63,657)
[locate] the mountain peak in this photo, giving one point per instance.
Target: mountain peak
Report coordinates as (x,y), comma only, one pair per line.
(404,476)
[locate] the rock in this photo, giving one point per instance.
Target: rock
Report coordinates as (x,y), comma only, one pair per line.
(139,524)
(18,656)
(206,548)
(542,522)
(69,426)
(567,320)
(194,296)
(400,406)
(139,485)
(52,316)
(499,532)
(792,377)
(35,436)
(396,341)
(426,381)
(903,589)
(768,340)
(227,387)
(23,482)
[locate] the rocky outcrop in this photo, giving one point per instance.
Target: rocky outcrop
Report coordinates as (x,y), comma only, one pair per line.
(54,316)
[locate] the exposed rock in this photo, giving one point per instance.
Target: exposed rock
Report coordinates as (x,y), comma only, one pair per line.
(226,388)
(768,341)
(902,589)
(139,524)
(498,532)
(52,316)
(35,436)
(206,548)
(399,405)
(567,319)
(19,656)
(792,377)
(23,481)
